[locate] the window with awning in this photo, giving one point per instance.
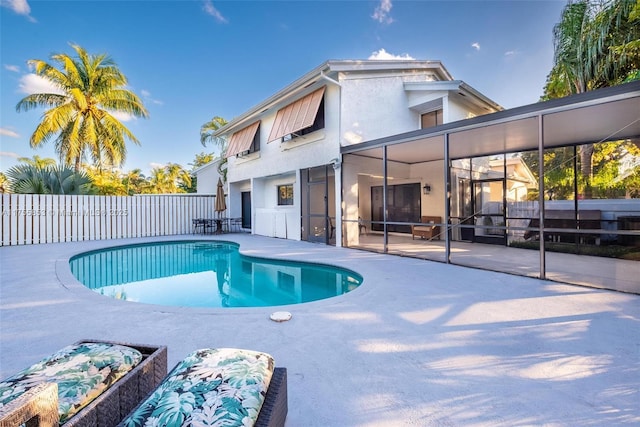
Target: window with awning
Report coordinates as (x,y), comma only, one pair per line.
(243,140)
(297,116)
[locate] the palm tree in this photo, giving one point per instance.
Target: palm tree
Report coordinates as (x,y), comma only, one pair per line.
(80,116)
(37,161)
(28,179)
(107,182)
(202,159)
(208,129)
(135,182)
(4,183)
(593,47)
(207,132)
(159,183)
(178,176)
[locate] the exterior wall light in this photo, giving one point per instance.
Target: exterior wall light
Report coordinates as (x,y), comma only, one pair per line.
(426,189)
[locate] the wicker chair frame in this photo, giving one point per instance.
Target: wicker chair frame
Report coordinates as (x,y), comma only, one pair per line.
(275,407)
(39,406)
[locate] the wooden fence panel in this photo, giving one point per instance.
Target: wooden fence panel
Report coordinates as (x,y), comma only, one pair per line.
(45,218)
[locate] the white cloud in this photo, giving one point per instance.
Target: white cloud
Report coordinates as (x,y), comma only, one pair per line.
(9,154)
(123,117)
(21,7)
(147,96)
(511,53)
(210,9)
(476,46)
(381,13)
(32,83)
(156,165)
(383,54)
(8,132)
(13,68)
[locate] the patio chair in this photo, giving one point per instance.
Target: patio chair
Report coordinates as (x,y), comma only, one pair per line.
(103,401)
(332,228)
(361,226)
(236,225)
(198,224)
(430,230)
(253,390)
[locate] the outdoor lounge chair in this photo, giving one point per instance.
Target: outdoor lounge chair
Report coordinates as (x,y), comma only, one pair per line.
(137,392)
(232,387)
(103,405)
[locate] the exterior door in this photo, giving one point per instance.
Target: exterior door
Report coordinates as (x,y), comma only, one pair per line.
(488,211)
(318,184)
(246,209)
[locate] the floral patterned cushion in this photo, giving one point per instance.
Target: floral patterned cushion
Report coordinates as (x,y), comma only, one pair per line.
(82,372)
(211,387)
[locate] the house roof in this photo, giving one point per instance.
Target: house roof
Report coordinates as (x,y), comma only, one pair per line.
(206,166)
(460,88)
(327,71)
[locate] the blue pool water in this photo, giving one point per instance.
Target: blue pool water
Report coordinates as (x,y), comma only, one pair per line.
(206,274)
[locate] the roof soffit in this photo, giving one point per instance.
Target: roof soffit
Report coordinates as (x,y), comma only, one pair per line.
(457,89)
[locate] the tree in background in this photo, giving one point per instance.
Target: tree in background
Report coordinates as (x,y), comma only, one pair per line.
(168,179)
(207,135)
(596,44)
(37,161)
(107,182)
(58,179)
(178,175)
(79,116)
(4,183)
(558,172)
(202,159)
(135,182)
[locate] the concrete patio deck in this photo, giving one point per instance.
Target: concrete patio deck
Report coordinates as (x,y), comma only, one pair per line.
(419,343)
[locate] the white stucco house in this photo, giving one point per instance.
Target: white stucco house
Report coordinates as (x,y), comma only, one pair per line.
(207,176)
(284,156)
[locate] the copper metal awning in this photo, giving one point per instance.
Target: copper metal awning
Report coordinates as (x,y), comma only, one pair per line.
(297,115)
(241,140)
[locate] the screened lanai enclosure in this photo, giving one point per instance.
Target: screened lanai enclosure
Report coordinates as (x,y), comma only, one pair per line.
(549,190)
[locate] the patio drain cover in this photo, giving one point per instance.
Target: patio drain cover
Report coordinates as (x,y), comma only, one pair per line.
(280,316)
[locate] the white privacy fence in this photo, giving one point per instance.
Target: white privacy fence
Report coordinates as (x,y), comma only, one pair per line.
(43,218)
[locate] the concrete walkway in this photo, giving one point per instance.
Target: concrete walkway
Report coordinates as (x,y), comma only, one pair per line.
(419,343)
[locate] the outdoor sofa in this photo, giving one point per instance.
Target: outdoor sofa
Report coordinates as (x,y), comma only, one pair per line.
(430,230)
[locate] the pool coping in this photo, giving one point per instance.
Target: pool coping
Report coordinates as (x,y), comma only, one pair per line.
(70,282)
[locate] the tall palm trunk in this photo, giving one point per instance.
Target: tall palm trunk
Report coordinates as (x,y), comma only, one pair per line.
(586,169)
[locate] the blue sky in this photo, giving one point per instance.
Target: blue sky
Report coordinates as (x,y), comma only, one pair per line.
(192,60)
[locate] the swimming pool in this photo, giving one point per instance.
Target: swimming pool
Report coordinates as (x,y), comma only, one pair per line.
(206,274)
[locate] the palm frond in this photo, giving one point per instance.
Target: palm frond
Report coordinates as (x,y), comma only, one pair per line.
(93,87)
